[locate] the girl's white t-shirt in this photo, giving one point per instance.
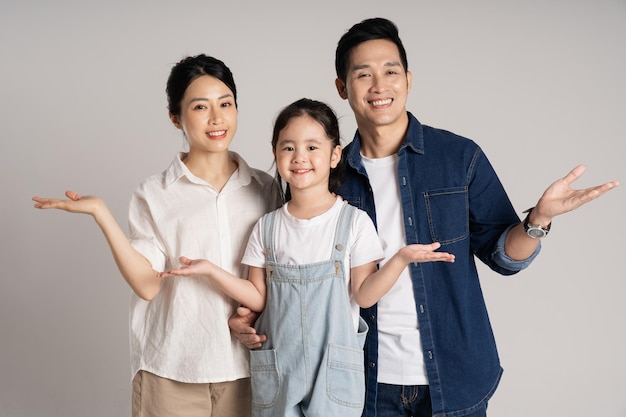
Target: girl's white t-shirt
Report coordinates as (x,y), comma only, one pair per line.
(400,358)
(300,242)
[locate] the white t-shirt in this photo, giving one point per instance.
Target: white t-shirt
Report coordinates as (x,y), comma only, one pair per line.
(300,242)
(183,334)
(400,360)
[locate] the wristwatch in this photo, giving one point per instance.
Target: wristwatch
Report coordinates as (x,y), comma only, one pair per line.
(534,230)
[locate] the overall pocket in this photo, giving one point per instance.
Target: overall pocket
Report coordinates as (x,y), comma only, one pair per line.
(264,378)
(361,334)
(345,377)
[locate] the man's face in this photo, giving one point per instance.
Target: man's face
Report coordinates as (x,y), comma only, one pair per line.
(376,84)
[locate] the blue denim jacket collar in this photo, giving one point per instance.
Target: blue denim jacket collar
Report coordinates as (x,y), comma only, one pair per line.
(414,140)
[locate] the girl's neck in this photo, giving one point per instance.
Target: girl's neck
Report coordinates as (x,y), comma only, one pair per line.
(306,205)
(214,168)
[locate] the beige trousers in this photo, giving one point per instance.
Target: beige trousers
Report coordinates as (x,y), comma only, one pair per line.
(154,396)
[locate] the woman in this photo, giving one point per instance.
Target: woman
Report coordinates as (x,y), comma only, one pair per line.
(184,361)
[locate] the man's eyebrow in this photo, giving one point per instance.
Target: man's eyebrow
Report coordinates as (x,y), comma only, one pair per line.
(359,67)
(366,66)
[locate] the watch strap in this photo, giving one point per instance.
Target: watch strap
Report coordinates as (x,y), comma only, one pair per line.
(534,230)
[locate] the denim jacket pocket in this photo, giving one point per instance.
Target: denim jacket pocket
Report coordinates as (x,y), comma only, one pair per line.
(447,211)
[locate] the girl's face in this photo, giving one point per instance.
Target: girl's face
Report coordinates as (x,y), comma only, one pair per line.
(208,115)
(304,155)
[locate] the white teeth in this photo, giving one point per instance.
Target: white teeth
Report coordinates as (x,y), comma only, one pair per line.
(381,102)
(218,133)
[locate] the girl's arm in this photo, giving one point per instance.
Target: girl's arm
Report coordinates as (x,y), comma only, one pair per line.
(133,266)
(369,285)
(250,292)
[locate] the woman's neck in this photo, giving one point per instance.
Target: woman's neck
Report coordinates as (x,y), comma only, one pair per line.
(214,168)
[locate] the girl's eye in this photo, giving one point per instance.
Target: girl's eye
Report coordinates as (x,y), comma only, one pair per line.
(312,148)
(200,107)
(227,104)
(288,148)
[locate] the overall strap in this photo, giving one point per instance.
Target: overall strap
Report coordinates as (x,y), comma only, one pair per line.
(342,233)
(268,235)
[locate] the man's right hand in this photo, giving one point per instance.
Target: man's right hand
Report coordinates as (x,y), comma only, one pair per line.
(241,326)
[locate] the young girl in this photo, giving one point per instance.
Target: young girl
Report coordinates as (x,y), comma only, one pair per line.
(312,264)
(183,358)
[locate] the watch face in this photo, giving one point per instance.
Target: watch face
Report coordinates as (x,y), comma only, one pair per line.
(536,233)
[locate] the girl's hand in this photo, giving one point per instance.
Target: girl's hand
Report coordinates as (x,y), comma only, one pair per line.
(75,203)
(200,267)
(424,253)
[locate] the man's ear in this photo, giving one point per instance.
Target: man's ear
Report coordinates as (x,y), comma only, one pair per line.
(341,88)
(409,79)
(175,121)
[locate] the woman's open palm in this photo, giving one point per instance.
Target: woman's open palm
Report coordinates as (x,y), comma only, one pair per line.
(74,203)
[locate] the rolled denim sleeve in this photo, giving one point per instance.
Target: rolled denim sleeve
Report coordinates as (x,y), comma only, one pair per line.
(502,260)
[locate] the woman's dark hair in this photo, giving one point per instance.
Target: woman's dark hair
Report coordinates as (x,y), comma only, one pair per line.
(366,30)
(187,70)
(326,117)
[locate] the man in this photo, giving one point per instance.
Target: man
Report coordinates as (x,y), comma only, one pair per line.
(430,348)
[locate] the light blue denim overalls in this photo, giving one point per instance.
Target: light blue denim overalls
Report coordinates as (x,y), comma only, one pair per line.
(312,362)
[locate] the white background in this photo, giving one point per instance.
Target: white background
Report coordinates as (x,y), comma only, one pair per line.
(539,84)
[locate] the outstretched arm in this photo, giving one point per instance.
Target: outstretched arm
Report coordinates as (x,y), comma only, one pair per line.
(133,266)
(369,285)
(558,198)
(250,292)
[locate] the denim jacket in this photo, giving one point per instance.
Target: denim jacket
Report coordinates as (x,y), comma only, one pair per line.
(450,194)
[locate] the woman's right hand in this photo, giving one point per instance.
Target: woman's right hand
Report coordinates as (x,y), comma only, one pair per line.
(75,203)
(134,267)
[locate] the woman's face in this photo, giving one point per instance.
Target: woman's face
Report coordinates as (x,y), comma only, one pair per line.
(208,115)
